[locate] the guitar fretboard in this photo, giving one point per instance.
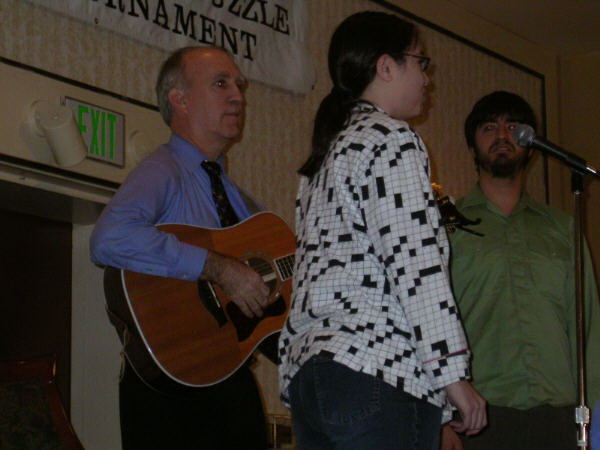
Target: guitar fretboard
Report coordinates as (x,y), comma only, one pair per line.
(285,266)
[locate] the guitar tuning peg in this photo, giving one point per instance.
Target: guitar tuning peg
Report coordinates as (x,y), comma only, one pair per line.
(453,219)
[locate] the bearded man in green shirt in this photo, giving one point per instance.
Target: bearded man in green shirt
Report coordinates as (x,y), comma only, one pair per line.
(516,293)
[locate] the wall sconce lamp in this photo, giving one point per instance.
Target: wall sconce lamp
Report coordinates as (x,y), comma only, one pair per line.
(57,124)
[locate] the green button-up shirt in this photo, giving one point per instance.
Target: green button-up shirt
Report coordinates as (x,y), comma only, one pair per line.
(516,293)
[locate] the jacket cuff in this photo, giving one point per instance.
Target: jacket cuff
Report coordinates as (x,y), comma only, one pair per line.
(448,369)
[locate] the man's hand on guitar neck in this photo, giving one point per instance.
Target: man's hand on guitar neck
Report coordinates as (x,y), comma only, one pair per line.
(240,283)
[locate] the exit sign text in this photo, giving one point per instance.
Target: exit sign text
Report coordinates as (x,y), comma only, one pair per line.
(103,131)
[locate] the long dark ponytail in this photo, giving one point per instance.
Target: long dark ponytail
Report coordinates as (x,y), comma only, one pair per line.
(355,47)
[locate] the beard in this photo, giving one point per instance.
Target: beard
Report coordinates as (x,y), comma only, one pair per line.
(501,165)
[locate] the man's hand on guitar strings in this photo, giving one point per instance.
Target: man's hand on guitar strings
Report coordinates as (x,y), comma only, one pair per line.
(240,283)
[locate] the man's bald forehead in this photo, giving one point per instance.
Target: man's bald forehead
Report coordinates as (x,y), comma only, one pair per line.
(205,52)
(201,57)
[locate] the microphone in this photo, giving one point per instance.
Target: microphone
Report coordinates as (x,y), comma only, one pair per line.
(524,136)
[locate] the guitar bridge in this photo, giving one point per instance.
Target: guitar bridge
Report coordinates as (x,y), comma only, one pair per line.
(244,326)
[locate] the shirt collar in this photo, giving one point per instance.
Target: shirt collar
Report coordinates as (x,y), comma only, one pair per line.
(365,106)
(188,153)
(530,203)
(476,197)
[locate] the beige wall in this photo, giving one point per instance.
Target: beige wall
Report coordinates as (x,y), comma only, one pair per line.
(580,119)
(276,139)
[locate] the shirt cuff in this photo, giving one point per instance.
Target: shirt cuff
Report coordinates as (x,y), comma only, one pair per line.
(190,264)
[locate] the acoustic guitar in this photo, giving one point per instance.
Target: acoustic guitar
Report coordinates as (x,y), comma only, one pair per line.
(188,333)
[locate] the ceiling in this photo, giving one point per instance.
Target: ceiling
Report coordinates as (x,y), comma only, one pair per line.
(567,27)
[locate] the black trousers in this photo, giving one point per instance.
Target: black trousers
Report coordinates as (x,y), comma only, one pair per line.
(226,416)
(541,428)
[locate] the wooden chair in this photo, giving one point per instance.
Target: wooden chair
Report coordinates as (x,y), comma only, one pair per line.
(31,412)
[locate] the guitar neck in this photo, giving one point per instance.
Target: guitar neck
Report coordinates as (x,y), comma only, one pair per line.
(285,266)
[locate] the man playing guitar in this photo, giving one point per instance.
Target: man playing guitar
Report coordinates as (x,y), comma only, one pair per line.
(201,97)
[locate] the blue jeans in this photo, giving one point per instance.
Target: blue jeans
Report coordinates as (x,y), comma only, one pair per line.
(334,407)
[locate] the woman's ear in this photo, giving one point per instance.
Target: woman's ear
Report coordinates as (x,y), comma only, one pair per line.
(384,67)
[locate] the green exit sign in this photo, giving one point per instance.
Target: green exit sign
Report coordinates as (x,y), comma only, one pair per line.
(103,131)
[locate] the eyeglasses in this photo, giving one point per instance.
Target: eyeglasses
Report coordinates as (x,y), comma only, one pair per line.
(423,60)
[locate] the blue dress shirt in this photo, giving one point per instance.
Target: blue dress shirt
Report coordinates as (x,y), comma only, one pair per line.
(170,186)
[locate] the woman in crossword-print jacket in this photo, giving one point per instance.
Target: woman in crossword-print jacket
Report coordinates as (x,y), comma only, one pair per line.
(373,347)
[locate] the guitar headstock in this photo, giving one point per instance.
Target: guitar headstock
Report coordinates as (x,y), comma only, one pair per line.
(451,217)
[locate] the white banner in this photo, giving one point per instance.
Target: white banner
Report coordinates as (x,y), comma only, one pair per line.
(266,37)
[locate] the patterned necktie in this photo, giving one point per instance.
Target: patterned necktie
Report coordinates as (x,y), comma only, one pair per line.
(227,215)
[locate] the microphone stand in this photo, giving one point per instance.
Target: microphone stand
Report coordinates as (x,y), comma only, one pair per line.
(582,412)
(525,136)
